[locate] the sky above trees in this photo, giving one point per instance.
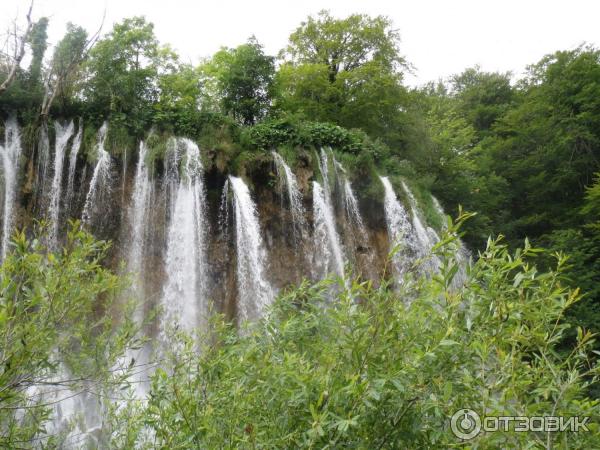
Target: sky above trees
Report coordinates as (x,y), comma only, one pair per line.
(439,38)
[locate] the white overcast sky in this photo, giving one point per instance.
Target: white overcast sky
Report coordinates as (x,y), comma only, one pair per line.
(439,37)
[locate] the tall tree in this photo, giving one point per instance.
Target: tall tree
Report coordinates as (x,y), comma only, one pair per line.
(346,71)
(68,55)
(345,44)
(244,76)
(123,70)
(38,41)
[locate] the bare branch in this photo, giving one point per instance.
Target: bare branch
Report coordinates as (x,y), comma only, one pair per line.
(19,51)
(53,88)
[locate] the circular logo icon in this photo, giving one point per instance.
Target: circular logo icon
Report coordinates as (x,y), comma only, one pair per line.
(465,424)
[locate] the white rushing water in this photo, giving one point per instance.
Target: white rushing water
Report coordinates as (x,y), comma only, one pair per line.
(254,291)
(184,299)
(352,211)
(43,156)
(63,134)
(138,217)
(100,179)
(328,253)
(11,153)
(347,198)
(288,179)
(399,229)
(324,169)
(75,147)
(426,236)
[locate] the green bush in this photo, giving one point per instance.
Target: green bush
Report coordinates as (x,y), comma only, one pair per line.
(54,313)
(380,368)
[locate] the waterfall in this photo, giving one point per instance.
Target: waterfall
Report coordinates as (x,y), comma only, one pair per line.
(324,169)
(288,179)
(100,178)
(399,228)
(43,155)
(426,236)
(75,147)
(63,134)
(223,218)
(352,211)
(328,250)
(124,176)
(346,194)
(184,295)
(254,291)
(138,216)
(11,153)
(76,412)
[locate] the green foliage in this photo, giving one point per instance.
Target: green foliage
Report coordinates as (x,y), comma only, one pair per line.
(244,76)
(53,313)
(377,368)
(344,45)
(524,158)
(38,40)
(273,133)
(344,71)
(123,71)
(65,65)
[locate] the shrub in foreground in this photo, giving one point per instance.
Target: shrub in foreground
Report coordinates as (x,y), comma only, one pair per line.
(377,367)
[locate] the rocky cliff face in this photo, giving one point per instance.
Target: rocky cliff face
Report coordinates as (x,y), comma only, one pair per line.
(288,248)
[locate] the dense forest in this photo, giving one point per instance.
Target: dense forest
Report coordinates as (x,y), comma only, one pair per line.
(343,362)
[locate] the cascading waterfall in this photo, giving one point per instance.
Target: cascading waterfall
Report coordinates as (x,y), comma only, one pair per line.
(76,412)
(329,256)
(254,291)
(352,211)
(138,216)
(287,178)
(426,237)
(63,134)
(11,153)
(355,237)
(324,169)
(399,229)
(180,245)
(347,198)
(100,179)
(43,155)
(75,147)
(138,219)
(185,293)
(328,253)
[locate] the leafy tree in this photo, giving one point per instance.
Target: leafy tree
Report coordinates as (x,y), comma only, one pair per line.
(38,40)
(305,89)
(123,69)
(345,71)
(180,96)
(244,76)
(344,45)
(483,97)
(52,316)
(68,55)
